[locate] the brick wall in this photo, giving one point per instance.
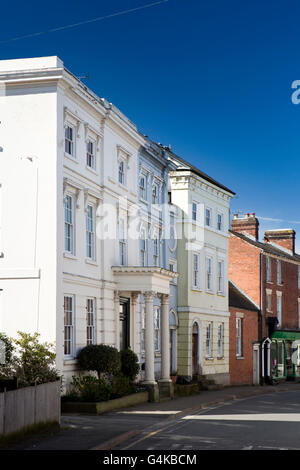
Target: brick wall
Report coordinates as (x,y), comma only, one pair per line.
(241,370)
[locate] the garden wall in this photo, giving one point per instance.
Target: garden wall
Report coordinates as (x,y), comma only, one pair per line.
(28,406)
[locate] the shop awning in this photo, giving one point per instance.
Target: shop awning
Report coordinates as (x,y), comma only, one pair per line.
(288,335)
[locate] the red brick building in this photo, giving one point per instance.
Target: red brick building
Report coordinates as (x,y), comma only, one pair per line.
(243,334)
(269,274)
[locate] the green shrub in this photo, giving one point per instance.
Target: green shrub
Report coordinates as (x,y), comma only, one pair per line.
(129,364)
(89,389)
(121,386)
(100,358)
(35,361)
(6,368)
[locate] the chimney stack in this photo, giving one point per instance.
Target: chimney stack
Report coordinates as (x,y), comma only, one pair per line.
(247,225)
(282,237)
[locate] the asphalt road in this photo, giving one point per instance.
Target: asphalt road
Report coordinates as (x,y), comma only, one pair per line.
(269,421)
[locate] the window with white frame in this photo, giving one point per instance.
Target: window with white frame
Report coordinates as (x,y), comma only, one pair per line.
(156,251)
(269,301)
(90,155)
(208,216)
(157,328)
(208,266)
(268,269)
(155,198)
(143,248)
(172,225)
(121,170)
(90,321)
(298,277)
(69,224)
(90,232)
(220,221)
(194,211)
(221,277)
(239,332)
(196,270)
(279,309)
(221,340)
(209,333)
(143,187)
(69,325)
(278,271)
(70,140)
(299,314)
(122,242)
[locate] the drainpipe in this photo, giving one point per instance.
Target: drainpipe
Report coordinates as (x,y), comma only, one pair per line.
(261,320)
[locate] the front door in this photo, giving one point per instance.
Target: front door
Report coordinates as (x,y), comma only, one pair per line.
(124,323)
(195,352)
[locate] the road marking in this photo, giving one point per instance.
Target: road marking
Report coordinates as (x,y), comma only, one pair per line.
(287,417)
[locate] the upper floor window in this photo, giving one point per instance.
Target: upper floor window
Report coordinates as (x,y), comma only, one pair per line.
(299,314)
(269,301)
(90,321)
(90,155)
(209,339)
(278,270)
(122,243)
(221,277)
(208,273)
(143,249)
(172,225)
(122,172)
(298,277)
(196,270)
(194,211)
(69,326)
(220,222)
(69,224)
(143,327)
(268,269)
(208,217)
(90,232)
(156,251)
(70,140)
(155,194)
(143,187)
(239,339)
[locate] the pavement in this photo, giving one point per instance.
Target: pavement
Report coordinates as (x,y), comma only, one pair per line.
(114,429)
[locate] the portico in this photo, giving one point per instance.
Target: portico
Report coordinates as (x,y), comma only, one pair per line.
(132,281)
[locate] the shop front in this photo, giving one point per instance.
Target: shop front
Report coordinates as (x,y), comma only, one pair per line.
(285,355)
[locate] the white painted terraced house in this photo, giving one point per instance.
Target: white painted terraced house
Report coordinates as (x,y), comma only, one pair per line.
(66,155)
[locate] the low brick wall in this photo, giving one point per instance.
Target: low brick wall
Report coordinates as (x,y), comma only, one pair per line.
(27,406)
(105,406)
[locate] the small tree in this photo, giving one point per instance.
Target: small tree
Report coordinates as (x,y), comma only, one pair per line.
(100,358)
(35,361)
(129,364)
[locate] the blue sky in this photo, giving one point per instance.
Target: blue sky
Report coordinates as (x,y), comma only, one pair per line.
(212,78)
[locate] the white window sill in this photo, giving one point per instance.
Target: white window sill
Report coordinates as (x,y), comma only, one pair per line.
(69,255)
(221,294)
(122,186)
(240,357)
(209,292)
(92,170)
(209,358)
(71,157)
(91,261)
(144,200)
(220,358)
(196,289)
(70,360)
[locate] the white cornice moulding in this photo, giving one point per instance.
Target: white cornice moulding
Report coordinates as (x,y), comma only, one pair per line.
(20,273)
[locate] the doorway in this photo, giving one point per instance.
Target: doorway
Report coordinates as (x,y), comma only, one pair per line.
(124,323)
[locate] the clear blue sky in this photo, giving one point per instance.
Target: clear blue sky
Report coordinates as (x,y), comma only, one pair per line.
(212,78)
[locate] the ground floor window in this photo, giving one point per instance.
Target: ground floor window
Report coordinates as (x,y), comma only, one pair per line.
(209,328)
(90,321)
(69,326)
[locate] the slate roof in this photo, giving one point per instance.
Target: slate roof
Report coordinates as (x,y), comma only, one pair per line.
(238,299)
(267,247)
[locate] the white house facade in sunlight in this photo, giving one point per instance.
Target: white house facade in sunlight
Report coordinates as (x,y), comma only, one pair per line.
(70,163)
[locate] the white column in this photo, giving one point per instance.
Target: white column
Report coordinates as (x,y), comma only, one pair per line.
(134,321)
(165,338)
(117,319)
(149,338)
